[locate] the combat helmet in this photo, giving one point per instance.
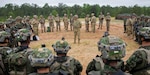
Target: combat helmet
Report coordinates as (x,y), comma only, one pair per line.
(4,35)
(41,57)
(22,34)
(112,47)
(61,46)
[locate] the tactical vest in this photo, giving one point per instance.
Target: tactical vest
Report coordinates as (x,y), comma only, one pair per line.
(67,66)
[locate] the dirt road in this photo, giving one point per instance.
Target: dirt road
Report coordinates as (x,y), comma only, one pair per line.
(87,49)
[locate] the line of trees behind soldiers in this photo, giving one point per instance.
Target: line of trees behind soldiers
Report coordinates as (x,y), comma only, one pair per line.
(27,9)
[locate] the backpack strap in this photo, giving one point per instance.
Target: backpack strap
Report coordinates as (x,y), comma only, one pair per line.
(100,62)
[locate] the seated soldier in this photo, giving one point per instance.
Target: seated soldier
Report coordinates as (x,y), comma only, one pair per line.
(139,62)
(4,51)
(40,60)
(17,59)
(63,64)
(109,63)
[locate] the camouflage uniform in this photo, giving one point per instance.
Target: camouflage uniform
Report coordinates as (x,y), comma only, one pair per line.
(93,22)
(124,24)
(102,65)
(63,64)
(108,19)
(101,18)
(51,22)
(76,27)
(35,23)
(42,22)
(129,26)
(71,22)
(139,62)
(87,19)
(65,20)
(17,59)
(57,20)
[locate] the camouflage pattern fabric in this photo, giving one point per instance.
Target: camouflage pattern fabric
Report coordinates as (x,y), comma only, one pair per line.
(65,20)
(51,23)
(138,63)
(4,35)
(108,19)
(129,26)
(87,19)
(35,24)
(93,23)
(101,18)
(57,20)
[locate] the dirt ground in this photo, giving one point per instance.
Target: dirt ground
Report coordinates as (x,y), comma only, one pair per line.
(87,49)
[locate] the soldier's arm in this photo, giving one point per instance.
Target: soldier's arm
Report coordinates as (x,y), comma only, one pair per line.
(78,65)
(133,61)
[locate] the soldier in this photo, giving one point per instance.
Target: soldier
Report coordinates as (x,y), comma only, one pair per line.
(87,19)
(17,59)
(19,23)
(93,22)
(139,62)
(51,22)
(124,24)
(109,63)
(4,51)
(65,20)
(71,21)
(57,20)
(101,18)
(35,23)
(1,26)
(41,54)
(129,26)
(108,19)
(42,22)
(134,19)
(63,64)
(76,27)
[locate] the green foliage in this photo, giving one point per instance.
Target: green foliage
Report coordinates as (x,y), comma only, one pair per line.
(33,9)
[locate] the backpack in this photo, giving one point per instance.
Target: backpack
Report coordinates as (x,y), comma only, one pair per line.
(4,35)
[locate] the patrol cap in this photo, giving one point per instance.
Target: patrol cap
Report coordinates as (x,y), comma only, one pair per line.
(18,18)
(108,13)
(92,14)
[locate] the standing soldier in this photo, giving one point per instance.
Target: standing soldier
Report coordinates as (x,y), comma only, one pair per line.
(101,18)
(65,20)
(124,24)
(93,23)
(57,20)
(129,26)
(108,19)
(51,22)
(134,19)
(87,19)
(35,23)
(76,27)
(71,22)
(42,22)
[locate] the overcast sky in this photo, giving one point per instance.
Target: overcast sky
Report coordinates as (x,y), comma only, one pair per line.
(79,2)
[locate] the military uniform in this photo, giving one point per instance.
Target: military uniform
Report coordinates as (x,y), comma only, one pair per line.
(42,22)
(93,23)
(57,20)
(101,18)
(87,19)
(108,19)
(1,26)
(63,64)
(139,62)
(65,20)
(35,23)
(129,26)
(76,27)
(71,22)
(109,63)
(51,22)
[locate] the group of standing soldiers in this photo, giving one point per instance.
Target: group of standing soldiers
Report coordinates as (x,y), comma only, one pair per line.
(101,17)
(134,23)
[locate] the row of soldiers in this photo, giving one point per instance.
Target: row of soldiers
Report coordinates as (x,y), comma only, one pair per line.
(134,23)
(22,60)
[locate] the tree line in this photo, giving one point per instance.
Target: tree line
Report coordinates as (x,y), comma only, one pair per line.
(27,9)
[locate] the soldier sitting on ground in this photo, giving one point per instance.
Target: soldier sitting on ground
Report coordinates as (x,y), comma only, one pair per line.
(63,64)
(139,62)
(109,63)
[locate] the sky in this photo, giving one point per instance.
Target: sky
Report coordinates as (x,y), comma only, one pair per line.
(112,3)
